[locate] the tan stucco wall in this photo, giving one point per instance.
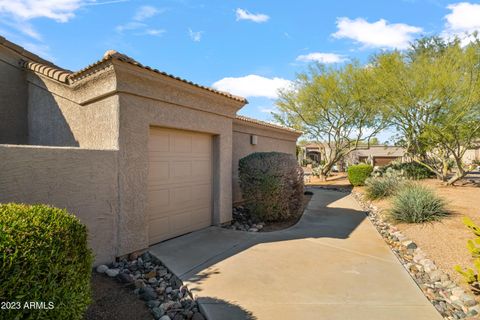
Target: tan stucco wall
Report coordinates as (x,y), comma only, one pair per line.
(13,98)
(82,181)
(269,139)
(151,100)
(59,115)
(471,155)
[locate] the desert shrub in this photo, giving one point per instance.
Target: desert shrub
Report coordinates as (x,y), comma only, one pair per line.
(472,275)
(415,203)
(381,187)
(409,170)
(44,257)
(357,174)
(271,184)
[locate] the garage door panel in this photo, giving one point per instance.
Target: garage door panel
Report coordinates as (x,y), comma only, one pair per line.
(183,221)
(158,198)
(159,171)
(182,143)
(179,183)
(181,169)
(157,228)
(159,142)
(202,145)
(202,168)
(182,195)
(201,192)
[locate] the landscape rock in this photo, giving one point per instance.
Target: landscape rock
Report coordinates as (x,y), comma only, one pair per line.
(102,268)
(148,293)
(125,277)
(112,272)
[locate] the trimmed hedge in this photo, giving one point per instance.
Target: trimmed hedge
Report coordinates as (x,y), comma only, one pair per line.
(272,185)
(44,258)
(357,174)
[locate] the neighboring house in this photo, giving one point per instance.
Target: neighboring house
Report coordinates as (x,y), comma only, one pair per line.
(376,155)
(472,156)
(138,155)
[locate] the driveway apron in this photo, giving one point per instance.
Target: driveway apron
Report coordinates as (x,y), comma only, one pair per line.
(331,265)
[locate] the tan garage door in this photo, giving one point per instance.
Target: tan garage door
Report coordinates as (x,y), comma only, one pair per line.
(383,161)
(179,182)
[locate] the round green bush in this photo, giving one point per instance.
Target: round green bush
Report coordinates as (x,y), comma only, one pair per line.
(272,185)
(357,174)
(45,259)
(415,203)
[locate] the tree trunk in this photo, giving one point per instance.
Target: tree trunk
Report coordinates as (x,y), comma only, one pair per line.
(322,176)
(444,170)
(459,175)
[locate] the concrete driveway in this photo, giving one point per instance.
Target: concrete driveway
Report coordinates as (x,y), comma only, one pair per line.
(332,265)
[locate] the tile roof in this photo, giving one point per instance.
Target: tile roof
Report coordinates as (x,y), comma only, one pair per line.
(45,68)
(267,124)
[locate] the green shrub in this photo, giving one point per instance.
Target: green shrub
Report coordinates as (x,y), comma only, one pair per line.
(415,203)
(271,184)
(357,174)
(44,258)
(381,187)
(472,276)
(409,170)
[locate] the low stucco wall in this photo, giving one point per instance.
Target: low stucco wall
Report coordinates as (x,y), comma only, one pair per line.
(268,139)
(57,115)
(80,180)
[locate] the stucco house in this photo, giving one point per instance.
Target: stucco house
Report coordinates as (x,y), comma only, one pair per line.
(139,155)
(376,155)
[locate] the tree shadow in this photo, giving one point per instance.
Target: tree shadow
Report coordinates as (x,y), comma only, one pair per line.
(215,308)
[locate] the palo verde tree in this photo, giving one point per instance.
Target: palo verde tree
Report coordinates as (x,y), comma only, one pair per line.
(431,95)
(335,107)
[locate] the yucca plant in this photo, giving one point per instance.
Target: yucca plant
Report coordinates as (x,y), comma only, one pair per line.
(415,203)
(382,187)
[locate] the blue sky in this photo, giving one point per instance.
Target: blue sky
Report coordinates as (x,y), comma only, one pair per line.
(250,48)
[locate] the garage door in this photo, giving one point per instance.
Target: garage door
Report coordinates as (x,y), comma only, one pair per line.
(179,183)
(383,161)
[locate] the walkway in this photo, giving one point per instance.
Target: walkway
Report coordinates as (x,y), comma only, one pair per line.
(332,265)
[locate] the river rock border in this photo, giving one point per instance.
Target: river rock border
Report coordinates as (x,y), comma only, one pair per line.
(450,300)
(163,292)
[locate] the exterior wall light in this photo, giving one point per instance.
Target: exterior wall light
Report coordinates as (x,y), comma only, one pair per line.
(253,139)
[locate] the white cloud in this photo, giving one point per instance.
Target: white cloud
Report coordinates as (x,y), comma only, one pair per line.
(137,22)
(130,26)
(322,57)
(252,86)
(155,32)
(379,34)
(268,110)
(243,14)
(58,10)
(463,20)
(145,12)
(195,35)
